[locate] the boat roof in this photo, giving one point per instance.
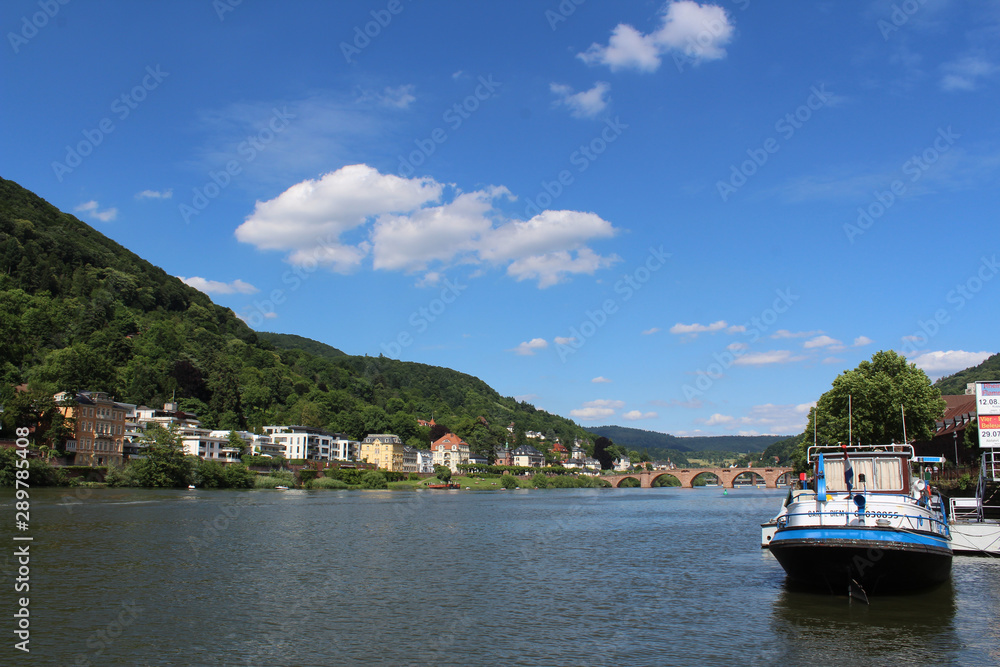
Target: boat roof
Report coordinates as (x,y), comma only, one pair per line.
(893,449)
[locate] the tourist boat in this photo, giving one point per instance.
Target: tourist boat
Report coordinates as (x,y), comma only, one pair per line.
(281,487)
(444,486)
(887,531)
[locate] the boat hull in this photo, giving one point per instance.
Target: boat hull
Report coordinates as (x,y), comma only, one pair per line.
(880,561)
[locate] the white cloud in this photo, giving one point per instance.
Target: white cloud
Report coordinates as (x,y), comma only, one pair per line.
(862,340)
(599,409)
(785,333)
(765,358)
(154,194)
(565,340)
(821,341)
(733,347)
(649,332)
(553,268)
(91,209)
(585,104)
(217,287)
(528,348)
(717,419)
(634,415)
(695,329)
(736,328)
(599,379)
(940,363)
(409,228)
(696,32)
(399,97)
(965,73)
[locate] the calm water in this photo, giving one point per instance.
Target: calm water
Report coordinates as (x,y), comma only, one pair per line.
(556,577)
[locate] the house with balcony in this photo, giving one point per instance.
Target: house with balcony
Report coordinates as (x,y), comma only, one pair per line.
(526,455)
(385,450)
(450,450)
(98,427)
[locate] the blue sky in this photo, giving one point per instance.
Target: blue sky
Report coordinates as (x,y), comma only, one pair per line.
(675,216)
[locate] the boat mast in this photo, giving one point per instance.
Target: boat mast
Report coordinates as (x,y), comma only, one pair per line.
(850,422)
(902,412)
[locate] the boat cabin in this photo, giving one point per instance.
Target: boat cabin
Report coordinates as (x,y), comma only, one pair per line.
(876,469)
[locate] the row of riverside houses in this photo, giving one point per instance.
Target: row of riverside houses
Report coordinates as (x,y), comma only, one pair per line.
(108,432)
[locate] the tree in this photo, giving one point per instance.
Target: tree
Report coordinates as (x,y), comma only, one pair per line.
(165,463)
(237,442)
(865,404)
(601,453)
(443,473)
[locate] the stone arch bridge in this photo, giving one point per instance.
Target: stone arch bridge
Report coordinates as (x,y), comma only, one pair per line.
(727,477)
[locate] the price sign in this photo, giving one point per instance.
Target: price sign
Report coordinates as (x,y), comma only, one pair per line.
(988,398)
(989,430)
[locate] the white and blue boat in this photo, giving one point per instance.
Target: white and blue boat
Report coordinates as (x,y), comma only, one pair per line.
(867,522)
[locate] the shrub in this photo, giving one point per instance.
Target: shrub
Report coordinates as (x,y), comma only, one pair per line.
(507,481)
(374,479)
(540,481)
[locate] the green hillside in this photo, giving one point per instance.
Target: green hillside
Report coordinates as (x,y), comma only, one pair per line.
(661,445)
(989,370)
(78,311)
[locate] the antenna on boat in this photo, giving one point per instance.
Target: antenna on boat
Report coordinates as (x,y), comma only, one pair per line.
(850,421)
(902,411)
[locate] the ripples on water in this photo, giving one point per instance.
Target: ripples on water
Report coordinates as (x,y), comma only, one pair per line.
(542,577)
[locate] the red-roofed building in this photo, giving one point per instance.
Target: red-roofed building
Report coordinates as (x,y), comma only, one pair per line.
(559,451)
(949,431)
(450,450)
(424,422)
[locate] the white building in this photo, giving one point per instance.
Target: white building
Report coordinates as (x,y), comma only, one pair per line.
(425,460)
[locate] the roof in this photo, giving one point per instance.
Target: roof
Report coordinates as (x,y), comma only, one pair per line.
(526,450)
(959,411)
(448,439)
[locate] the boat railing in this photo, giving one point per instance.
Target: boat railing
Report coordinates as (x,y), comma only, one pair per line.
(990,468)
(912,522)
(816,450)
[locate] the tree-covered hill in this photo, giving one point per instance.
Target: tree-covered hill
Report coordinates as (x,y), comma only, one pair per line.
(987,371)
(659,444)
(80,312)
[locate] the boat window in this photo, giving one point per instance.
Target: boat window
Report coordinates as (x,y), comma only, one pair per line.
(880,474)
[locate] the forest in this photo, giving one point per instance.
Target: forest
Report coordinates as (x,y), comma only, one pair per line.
(80,312)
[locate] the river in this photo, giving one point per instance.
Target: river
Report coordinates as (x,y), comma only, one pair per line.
(530,577)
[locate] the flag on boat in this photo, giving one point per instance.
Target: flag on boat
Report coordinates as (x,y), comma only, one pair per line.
(848,471)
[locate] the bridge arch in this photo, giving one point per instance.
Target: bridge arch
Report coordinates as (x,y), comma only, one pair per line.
(786,478)
(656,477)
(751,477)
(617,483)
(707,477)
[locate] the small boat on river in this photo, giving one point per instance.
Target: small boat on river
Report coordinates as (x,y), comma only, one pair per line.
(888,532)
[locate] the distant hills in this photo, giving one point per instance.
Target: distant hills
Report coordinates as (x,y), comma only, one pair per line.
(989,370)
(651,441)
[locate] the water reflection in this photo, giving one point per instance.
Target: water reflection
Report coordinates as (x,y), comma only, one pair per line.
(918,628)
